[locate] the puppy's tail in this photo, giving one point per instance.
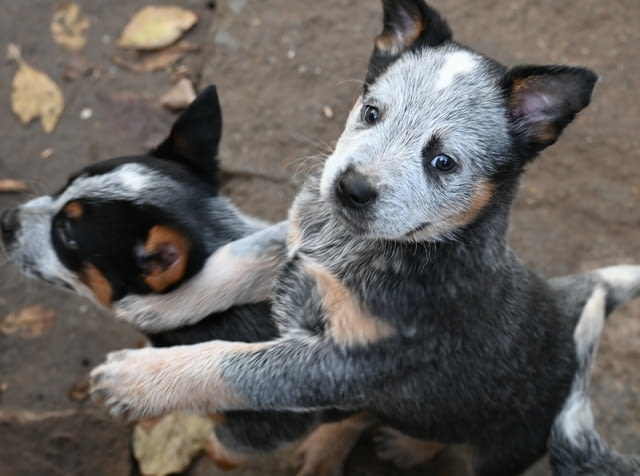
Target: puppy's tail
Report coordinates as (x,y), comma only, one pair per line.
(621,284)
(575,446)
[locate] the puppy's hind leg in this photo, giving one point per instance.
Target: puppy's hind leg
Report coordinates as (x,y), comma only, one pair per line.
(622,284)
(324,452)
(249,437)
(402,450)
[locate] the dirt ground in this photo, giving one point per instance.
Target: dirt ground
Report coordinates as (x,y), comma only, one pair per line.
(279,66)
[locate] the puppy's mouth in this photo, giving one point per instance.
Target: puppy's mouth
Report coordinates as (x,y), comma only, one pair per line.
(418,229)
(353,224)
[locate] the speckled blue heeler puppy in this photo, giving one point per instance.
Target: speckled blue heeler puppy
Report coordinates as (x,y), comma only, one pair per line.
(400,296)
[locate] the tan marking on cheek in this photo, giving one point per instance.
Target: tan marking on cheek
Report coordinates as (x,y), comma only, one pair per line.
(74,210)
(161,278)
(482,196)
(348,322)
(99,285)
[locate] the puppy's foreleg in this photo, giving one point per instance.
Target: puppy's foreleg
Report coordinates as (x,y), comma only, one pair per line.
(240,272)
(286,374)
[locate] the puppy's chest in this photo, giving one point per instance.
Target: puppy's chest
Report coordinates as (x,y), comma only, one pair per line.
(313,299)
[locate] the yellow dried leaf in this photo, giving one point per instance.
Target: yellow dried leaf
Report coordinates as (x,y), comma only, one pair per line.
(156,60)
(169,445)
(32,321)
(34,94)
(155,27)
(69,26)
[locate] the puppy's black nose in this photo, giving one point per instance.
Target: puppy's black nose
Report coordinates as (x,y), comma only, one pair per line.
(354,191)
(9,224)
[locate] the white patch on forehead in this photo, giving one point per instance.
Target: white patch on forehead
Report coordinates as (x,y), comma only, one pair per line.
(128,182)
(134,180)
(456,63)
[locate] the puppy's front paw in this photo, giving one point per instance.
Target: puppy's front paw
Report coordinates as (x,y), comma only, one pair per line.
(133,383)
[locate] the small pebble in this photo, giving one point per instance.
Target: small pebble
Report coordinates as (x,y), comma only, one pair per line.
(46,153)
(86,113)
(328,112)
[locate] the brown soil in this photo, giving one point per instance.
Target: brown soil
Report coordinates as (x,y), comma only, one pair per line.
(278,66)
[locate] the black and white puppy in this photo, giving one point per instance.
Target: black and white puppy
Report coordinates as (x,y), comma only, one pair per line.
(136,235)
(400,296)
(575,448)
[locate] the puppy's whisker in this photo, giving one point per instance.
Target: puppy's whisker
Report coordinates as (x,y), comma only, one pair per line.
(359,82)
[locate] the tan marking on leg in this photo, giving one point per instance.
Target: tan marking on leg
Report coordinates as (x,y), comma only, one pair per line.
(325,450)
(74,210)
(155,381)
(348,322)
(160,278)
(218,418)
(482,196)
(402,450)
(224,457)
(99,285)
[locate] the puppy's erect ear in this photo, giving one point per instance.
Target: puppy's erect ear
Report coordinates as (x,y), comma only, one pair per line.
(163,258)
(543,100)
(195,136)
(407,24)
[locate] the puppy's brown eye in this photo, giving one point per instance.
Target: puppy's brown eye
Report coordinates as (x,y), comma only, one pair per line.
(370,115)
(65,232)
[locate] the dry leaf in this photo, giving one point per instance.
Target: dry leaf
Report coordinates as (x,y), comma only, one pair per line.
(155,27)
(34,94)
(12,186)
(32,321)
(69,27)
(179,96)
(156,60)
(169,445)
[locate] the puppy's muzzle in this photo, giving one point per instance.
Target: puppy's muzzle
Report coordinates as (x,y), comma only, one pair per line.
(9,224)
(354,191)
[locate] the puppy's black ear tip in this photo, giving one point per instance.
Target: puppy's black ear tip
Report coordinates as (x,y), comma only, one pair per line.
(209,94)
(587,79)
